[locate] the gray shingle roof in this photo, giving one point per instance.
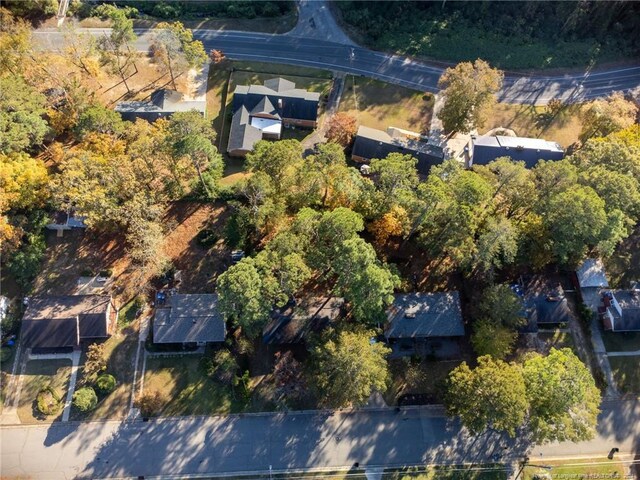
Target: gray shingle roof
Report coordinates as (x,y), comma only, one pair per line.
(372,143)
(162,103)
(485,149)
(628,318)
(424,315)
(591,274)
(189,318)
(61,321)
(242,136)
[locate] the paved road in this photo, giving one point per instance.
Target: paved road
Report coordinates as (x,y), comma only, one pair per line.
(294,441)
(335,55)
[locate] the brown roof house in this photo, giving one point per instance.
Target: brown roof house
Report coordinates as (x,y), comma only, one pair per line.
(61,322)
(426,324)
(189,319)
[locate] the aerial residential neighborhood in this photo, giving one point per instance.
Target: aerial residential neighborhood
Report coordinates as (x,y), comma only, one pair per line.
(319,239)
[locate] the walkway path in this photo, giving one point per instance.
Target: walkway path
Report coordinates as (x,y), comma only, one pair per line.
(138,373)
(333,103)
(75,362)
(14,388)
(623,354)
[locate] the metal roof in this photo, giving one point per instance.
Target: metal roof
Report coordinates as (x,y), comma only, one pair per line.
(591,274)
(485,149)
(372,143)
(189,319)
(628,318)
(425,315)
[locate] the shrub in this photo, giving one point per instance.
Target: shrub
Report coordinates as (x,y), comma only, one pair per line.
(48,401)
(107,273)
(86,272)
(207,237)
(5,354)
(164,10)
(106,383)
(150,403)
(85,399)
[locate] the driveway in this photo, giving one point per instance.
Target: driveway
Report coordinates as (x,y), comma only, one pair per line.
(201,445)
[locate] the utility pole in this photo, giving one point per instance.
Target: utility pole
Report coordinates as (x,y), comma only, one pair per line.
(62,11)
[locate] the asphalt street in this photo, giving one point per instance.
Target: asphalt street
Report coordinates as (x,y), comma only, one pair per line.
(251,443)
(330,55)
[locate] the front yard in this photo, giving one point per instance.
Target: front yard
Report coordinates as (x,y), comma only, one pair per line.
(602,468)
(626,371)
(38,375)
(423,379)
(186,389)
(380,105)
(621,341)
(530,121)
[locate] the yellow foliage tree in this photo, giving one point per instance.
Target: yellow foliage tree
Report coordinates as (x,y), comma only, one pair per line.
(391,224)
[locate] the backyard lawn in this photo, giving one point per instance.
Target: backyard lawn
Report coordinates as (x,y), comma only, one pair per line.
(579,469)
(626,371)
(621,341)
(530,121)
(557,339)
(185,388)
(380,105)
(40,374)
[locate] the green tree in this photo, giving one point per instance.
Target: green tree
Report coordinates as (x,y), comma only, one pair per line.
(469,89)
(99,119)
(347,369)
(576,220)
(491,338)
(242,299)
(497,244)
(492,395)
(22,125)
(395,174)
(563,397)
(106,383)
(276,159)
(331,229)
(364,281)
(174,47)
(85,399)
(502,305)
(318,174)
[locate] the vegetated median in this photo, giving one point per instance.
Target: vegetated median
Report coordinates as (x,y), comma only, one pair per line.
(509,35)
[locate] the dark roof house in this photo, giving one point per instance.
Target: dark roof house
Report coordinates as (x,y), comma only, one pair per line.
(544,304)
(485,149)
(293,322)
(65,321)
(189,319)
(371,143)
(162,103)
(260,111)
(425,315)
(620,311)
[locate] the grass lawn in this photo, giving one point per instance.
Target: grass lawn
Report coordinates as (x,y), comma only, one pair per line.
(579,469)
(424,378)
(557,340)
(186,389)
(39,374)
(226,75)
(120,352)
(530,121)
(626,371)
(621,341)
(380,105)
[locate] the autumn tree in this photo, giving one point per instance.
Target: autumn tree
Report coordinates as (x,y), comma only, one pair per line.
(342,128)
(603,116)
(95,363)
(391,224)
(173,47)
(563,397)
(81,50)
(216,56)
(469,89)
(117,48)
(348,368)
(491,396)
(15,43)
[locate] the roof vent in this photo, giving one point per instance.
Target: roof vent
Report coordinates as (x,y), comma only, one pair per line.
(408,314)
(279,103)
